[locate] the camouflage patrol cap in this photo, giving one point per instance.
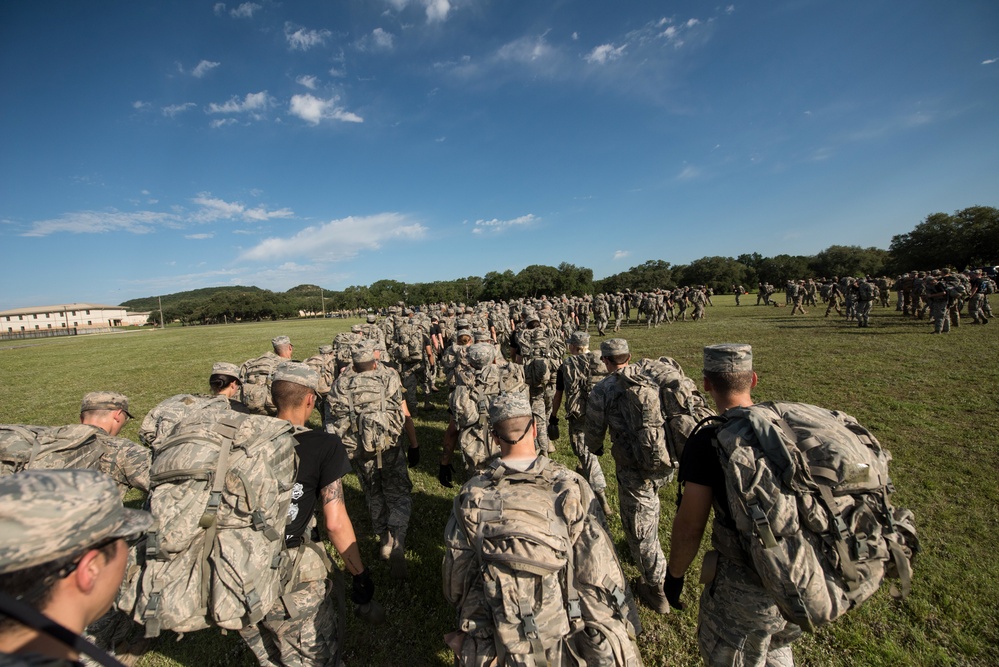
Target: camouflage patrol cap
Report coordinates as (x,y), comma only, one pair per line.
(362,353)
(106,400)
(356,328)
(325,349)
(532,317)
(481,335)
(508,406)
(463,332)
(579,339)
(280,340)
(225,368)
(728,358)
(481,355)
(613,347)
(297,372)
(370,318)
(46,515)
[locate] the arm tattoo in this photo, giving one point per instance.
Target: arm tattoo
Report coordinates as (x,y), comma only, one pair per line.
(332,492)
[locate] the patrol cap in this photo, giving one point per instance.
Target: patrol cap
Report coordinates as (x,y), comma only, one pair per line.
(613,347)
(297,372)
(46,515)
(356,328)
(481,355)
(728,358)
(463,332)
(532,317)
(463,323)
(579,339)
(362,353)
(325,349)
(508,406)
(481,336)
(108,400)
(225,368)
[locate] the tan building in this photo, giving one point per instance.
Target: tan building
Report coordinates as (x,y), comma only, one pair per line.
(79,316)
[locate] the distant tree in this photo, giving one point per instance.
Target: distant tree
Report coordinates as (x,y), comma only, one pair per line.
(852,260)
(537,280)
(781,268)
(968,238)
(497,286)
(574,280)
(385,293)
(718,273)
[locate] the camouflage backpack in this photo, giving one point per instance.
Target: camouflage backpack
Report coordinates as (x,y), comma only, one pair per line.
(809,492)
(544,607)
(363,413)
(582,373)
(221,484)
(986,286)
(164,417)
(542,354)
(660,407)
(408,343)
(469,404)
(255,374)
(322,364)
(865,291)
(24,447)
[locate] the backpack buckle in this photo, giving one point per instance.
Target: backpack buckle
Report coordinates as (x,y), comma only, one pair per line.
(211,509)
(763,530)
(527,616)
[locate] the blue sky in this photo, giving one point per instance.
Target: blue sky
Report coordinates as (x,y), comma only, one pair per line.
(154,147)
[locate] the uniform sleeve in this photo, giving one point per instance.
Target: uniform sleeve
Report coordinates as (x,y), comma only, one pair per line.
(560,379)
(699,463)
(126,462)
(459,563)
(334,464)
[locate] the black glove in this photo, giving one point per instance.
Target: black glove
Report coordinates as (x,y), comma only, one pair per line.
(413,456)
(553,428)
(599,451)
(673,587)
(445,475)
(363,588)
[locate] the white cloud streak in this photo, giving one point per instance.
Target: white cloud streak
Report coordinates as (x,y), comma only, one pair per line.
(252,103)
(213,208)
(245,10)
(199,236)
(203,68)
(496,226)
(303,39)
(621,254)
(339,239)
(990,61)
(176,109)
(605,53)
(314,110)
(307,80)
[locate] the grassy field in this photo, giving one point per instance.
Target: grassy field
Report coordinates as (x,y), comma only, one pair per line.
(929,399)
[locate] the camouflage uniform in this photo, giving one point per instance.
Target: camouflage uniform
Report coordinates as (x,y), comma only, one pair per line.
(936,295)
(126,462)
(576,371)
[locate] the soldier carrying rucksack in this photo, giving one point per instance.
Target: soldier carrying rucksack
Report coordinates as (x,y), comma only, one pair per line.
(530,570)
(804,526)
(540,351)
(255,374)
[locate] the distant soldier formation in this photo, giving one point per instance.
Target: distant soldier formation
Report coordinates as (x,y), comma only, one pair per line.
(244,497)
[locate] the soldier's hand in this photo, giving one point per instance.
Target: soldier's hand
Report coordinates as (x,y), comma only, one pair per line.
(673,587)
(446,475)
(362,588)
(553,428)
(413,456)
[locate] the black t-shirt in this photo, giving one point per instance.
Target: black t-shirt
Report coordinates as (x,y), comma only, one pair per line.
(699,464)
(560,379)
(238,406)
(322,460)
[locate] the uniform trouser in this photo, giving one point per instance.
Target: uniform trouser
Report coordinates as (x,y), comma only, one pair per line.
(975,311)
(833,305)
(601,324)
(411,374)
(590,464)
(940,317)
(797,306)
(307,640)
(738,624)
(617,323)
(863,313)
(542,443)
(388,491)
(638,496)
(698,312)
(737,295)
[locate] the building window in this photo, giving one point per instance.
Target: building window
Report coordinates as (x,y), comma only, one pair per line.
(73,313)
(89,323)
(75,324)
(21,317)
(36,326)
(50,325)
(34,316)
(22,328)
(88,312)
(63,325)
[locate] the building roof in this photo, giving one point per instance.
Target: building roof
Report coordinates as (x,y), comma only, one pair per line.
(59,308)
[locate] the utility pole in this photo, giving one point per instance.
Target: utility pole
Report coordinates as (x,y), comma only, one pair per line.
(160,302)
(322,296)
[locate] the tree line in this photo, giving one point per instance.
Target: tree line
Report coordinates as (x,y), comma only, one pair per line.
(968,238)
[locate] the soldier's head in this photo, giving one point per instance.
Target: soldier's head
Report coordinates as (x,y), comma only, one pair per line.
(512,424)
(224,379)
(63,543)
(356,329)
(579,342)
(363,358)
(728,370)
(282,346)
(370,319)
(293,390)
(325,350)
(107,410)
(615,353)
(463,337)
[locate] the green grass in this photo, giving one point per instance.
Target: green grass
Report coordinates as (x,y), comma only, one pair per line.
(929,399)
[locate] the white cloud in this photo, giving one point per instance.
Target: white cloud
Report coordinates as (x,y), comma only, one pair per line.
(605,53)
(339,239)
(730,9)
(253,102)
(96,222)
(222,122)
(575,36)
(990,61)
(692,22)
(199,236)
(245,10)
(219,8)
(688,173)
(496,226)
(175,109)
(313,110)
(621,254)
(139,105)
(213,208)
(437,10)
(526,50)
(307,80)
(382,40)
(302,39)
(203,68)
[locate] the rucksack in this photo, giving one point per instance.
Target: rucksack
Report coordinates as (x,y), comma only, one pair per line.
(660,406)
(408,345)
(542,354)
(544,607)
(364,415)
(986,286)
(809,492)
(221,484)
(255,374)
(164,417)
(321,364)
(469,405)
(582,373)
(24,447)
